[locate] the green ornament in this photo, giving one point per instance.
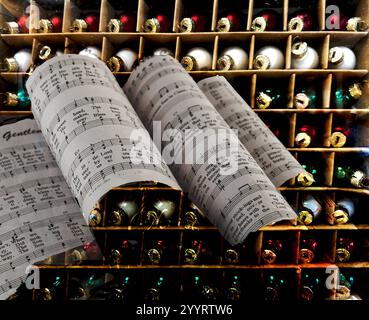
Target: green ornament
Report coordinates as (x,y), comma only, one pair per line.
(23,98)
(269,98)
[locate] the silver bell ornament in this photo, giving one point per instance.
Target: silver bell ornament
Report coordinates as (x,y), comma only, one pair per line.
(303,56)
(92,52)
(165,207)
(197,59)
(20,62)
(127,210)
(163,52)
(233,58)
(342,58)
(123,60)
(269,57)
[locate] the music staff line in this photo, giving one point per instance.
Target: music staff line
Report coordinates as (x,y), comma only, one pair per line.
(24,147)
(28,169)
(35,208)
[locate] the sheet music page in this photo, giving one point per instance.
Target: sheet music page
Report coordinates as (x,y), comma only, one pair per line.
(89,125)
(276,161)
(39,216)
(229,186)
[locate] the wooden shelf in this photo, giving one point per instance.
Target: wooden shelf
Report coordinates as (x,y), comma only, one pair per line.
(313,111)
(318,189)
(328,149)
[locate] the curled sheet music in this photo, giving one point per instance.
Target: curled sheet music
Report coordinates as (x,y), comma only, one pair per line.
(233,190)
(39,217)
(88,123)
(276,161)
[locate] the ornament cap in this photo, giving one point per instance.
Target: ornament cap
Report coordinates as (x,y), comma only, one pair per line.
(224,25)
(262,62)
(152,218)
(340,216)
(10,99)
(342,255)
(116,218)
(355,91)
(336,55)
(154,256)
(359,179)
(296,24)
(306,255)
(303,139)
(151,25)
(305,179)
(307,293)
(115,256)
(231,256)
(263,100)
(269,256)
(10,27)
(10,65)
(342,292)
(94,218)
(225,62)
(45,26)
(259,24)
(190,255)
(115,25)
(79,25)
(115,64)
(305,217)
(189,63)
(191,218)
(44,53)
(338,139)
(301,101)
(46,294)
(187,25)
(233,294)
(356,24)
(299,49)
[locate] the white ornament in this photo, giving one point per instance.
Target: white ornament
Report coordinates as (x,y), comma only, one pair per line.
(92,52)
(23,59)
(269,57)
(163,52)
(304,57)
(342,58)
(233,58)
(197,59)
(165,207)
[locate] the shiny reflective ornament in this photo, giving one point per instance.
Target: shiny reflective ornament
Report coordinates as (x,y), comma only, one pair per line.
(95,217)
(191,254)
(303,56)
(268,98)
(90,24)
(344,249)
(46,53)
(305,98)
(309,288)
(343,290)
(76,256)
(231,22)
(54,24)
(301,21)
(195,23)
(163,52)
(166,208)
(265,21)
(342,58)
(126,211)
(269,57)
(197,59)
(92,52)
(311,210)
(10,28)
(115,257)
(233,292)
(345,209)
(153,293)
(272,288)
(359,179)
(305,135)
(23,24)
(339,137)
(125,23)
(123,60)
(231,256)
(233,58)
(19,99)
(155,253)
(347,97)
(160,23)
(20,62)
(308,250)
(356,24)
(305,178)
(271,250)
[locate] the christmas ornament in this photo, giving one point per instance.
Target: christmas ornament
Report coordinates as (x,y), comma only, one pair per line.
(233,58)
(160,23)
(342,58)
(54,24)
(195,23)
(356,24)
(346,98)
(125,23)
(269,57)
(311,210)
(233,291)
(271,250)
(301,21)
(304,136)
(10,28)
(23,24)
(197,59)
(310,285)
(344,249)
(95,217)
(345,209)
(308,250)
(19,99)
(126,211)
(303,56)
(163,52)
(231,22)
(266,21)
(339,137)
(306,98)
(306,178)
(20,62)
(46,53)
(90,23)
(123,60)
(92,52)
(337,22)
(359,179)
(268,98)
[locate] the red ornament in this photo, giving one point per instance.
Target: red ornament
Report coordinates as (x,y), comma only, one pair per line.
(235,20)
(92,250)
(308,130)
(57,22)
(341,19)
(92,21)
(265,21)
(128,22)
(200,22)
(307,20)
(345,131)
(23,24)
(164,23)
